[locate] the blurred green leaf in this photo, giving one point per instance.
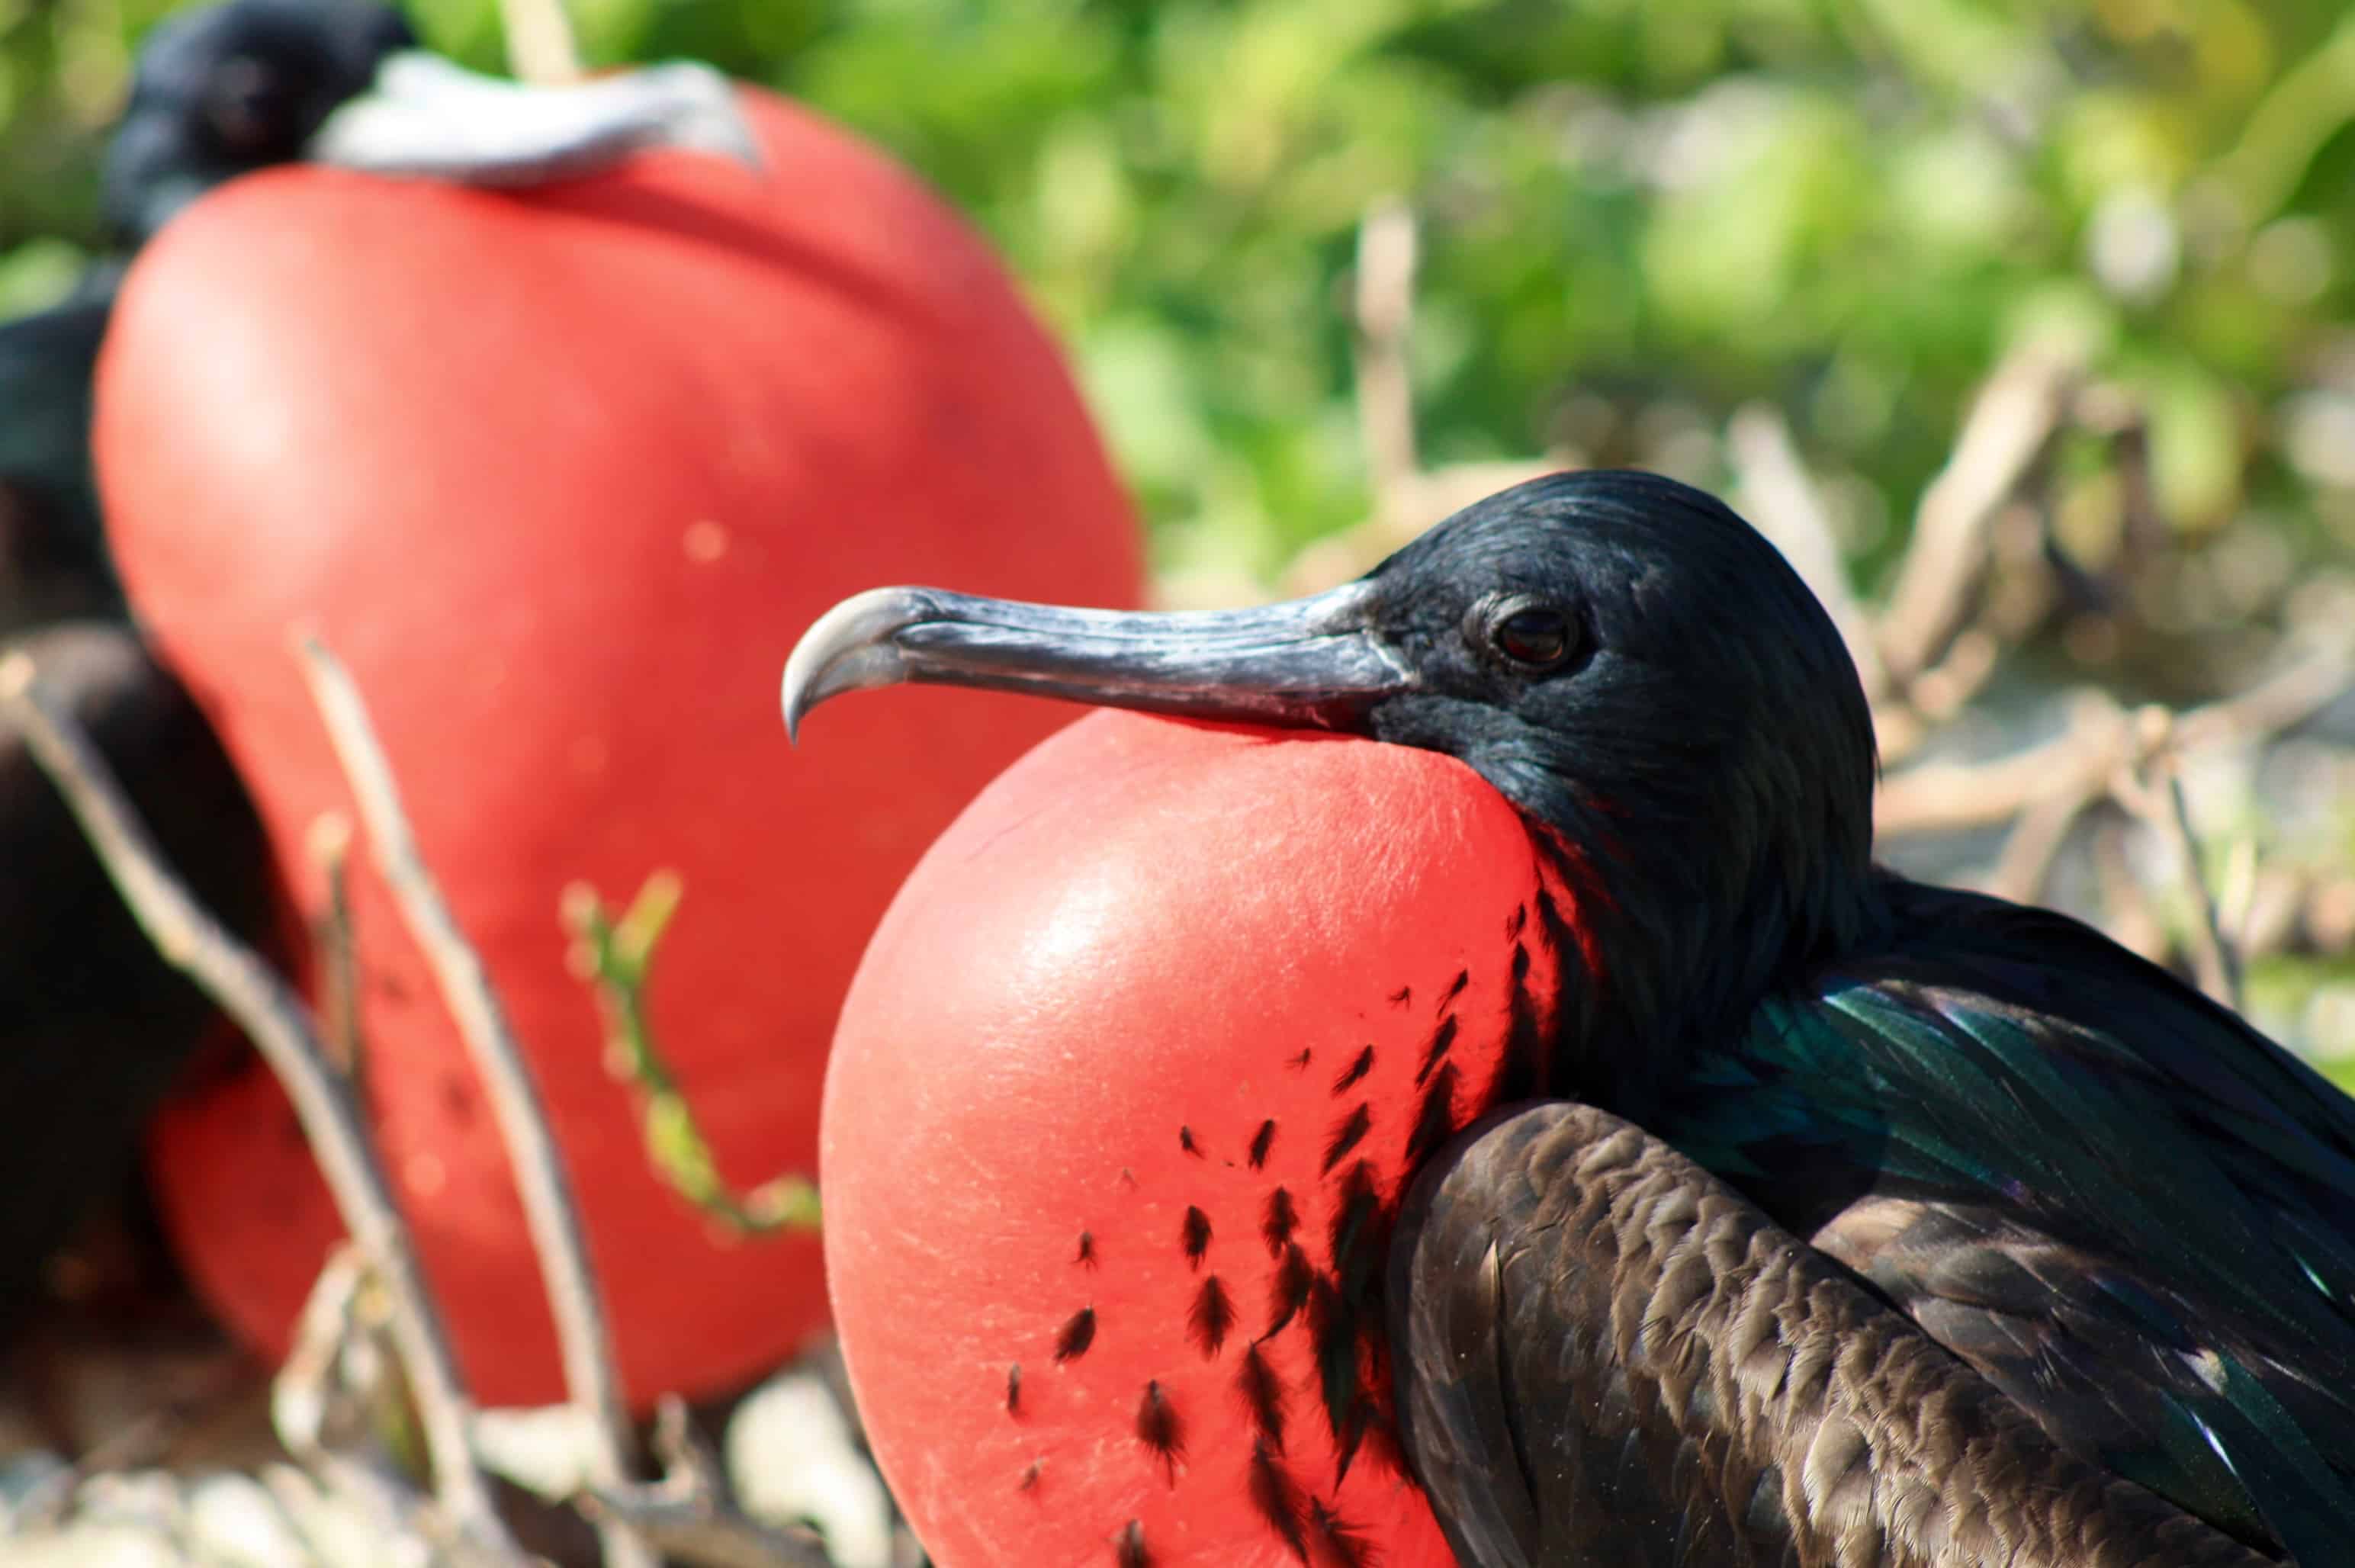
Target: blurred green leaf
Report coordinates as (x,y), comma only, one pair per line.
(1635,216)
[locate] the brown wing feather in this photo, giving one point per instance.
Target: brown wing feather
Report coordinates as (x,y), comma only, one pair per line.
(1606,1356)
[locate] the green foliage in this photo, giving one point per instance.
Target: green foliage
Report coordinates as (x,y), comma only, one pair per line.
(1638,215)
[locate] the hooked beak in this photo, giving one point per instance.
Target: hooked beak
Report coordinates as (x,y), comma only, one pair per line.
(1315,662)
(426,118)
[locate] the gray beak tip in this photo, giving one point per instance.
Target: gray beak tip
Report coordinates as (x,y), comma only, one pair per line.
(850,648)
(703,113)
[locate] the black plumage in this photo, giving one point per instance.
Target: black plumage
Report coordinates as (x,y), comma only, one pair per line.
(1078,1332)
(228,90)
(219,93)
(1194,1236)
(216,93)
(1643,1368)
(1866,1222)
(1212,1316)
(93,1027)
(1161,1429)
(1262,1141)
(53,564)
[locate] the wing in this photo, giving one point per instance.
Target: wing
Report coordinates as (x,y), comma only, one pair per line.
(2127,1209)
(1604,1355)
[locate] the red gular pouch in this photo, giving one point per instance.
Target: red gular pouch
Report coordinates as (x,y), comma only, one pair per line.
(1123,1103)
(559,474)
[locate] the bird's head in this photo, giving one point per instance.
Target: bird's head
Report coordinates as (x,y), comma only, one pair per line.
(235,88)
(251,84)
(1625,660)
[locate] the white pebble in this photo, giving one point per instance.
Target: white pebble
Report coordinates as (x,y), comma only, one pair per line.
(790,1458)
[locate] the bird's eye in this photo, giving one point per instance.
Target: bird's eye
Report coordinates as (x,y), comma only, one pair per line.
(1535,636)
(247,104)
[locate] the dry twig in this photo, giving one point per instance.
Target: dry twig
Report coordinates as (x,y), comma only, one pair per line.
(190,939)
(330,848)
(2036,840)
(2152,788)
(2015,417)
(1781,498)
(540,41)
(687,1514)
(330,1392)
(311,1406)
(1940,798)
(1408,499)
(550,1211)
(1385,313)
(1944,797)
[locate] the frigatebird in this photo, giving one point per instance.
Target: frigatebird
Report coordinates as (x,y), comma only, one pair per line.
(92,1024)
(230,89)
(1823,1216)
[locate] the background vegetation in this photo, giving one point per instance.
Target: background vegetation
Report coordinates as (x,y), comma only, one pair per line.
(1636,216)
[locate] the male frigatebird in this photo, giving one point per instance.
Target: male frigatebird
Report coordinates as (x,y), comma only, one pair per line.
(1855,1221)
(229,89)
(92,1024)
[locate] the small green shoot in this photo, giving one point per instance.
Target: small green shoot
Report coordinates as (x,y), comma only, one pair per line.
(614,957)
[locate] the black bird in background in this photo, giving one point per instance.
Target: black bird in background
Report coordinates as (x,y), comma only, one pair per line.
(218,93)
(93,1026)
(1837,1182)
(240,87)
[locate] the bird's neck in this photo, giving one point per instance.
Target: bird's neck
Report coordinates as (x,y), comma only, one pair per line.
(1674,949)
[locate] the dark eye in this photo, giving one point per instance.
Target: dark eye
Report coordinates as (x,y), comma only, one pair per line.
(1537,637)
(247,104)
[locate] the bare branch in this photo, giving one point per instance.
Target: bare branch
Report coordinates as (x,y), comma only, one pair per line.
(274,1018)
(2152,788)
(1940,798)
(330,848)
(311,1408)
(1385,314)
(2035,842)
(687,1515)
(540,41)
(1356,549)
(2016,415)
(2287,698)
(541,1178)
(2130,921)
(1780,496)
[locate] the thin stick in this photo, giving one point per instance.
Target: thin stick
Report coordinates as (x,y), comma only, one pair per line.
(2285,698)
(2154,792)
(1783,501)
(2015,416)
(1384,315)
(308,1400)
(2211,953)
(330,848)
(2131,922)
(583,1342)
(689,1513)
(2025,862)
(1946,796)
(243,986)
(1939,797)
(540,48)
